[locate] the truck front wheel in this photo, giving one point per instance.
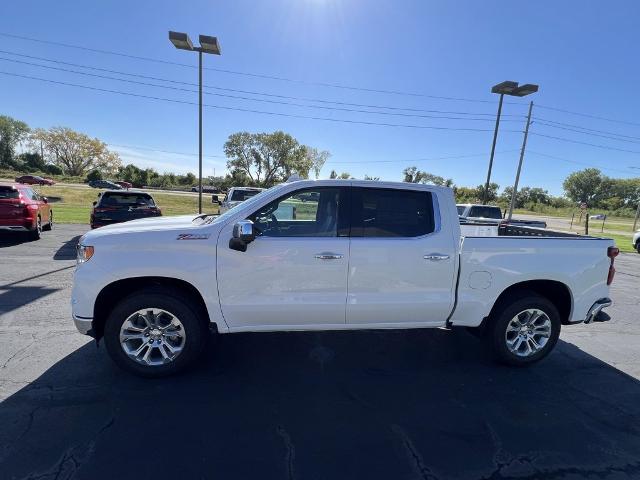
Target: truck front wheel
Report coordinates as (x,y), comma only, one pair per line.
(154,333)
(524,329)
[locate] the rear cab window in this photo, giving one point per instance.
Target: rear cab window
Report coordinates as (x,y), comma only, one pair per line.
(381,212)
(485,212)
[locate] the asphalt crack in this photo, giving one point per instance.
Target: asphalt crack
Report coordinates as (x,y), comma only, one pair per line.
(417,461)
(290,454)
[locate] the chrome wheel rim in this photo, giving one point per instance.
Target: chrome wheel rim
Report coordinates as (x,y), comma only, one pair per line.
(528,332)
(39,225)
(152,337)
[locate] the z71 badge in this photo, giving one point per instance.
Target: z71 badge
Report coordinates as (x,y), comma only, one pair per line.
(193,236)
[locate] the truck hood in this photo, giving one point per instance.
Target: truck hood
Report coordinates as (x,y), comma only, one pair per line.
(158,225)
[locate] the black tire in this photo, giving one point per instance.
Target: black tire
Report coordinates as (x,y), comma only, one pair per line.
(638,246)
(195,328)
(49,226)
(36,233)
(505,312)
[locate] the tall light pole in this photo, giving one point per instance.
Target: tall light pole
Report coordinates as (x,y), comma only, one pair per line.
(207,45)
(505,88)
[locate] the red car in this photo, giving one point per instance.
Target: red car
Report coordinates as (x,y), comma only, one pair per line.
(23,210)
(125,185)
(34,180)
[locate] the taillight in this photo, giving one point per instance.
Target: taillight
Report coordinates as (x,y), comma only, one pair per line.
(105,209)
(612,253)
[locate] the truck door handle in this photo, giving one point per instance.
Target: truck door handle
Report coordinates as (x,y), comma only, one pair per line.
(328,256)
(436,257)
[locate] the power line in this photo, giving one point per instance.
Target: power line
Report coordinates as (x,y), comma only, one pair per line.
(262,112)
(585,128)
(237,97)
(135,147)
(248,74)
(450,157)
(249,92)
(605,147)
(587,133)
(577,162)
(588,115)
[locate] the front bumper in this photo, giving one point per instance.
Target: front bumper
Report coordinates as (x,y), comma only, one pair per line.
(83,325)
(596,313)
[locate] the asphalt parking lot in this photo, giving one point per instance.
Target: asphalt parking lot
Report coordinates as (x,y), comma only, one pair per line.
(391,405)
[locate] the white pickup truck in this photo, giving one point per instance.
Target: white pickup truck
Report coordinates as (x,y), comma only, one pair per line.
(355,255)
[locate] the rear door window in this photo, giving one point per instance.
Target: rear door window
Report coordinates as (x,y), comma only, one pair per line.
(379,212)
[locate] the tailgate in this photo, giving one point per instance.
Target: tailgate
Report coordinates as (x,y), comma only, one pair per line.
(11,209)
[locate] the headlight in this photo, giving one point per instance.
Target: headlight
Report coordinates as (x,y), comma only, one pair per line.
(83,253)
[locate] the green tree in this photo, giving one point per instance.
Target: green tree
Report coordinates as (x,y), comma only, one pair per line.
(12,132)
(317,158)
(94,175)
(333,175)
(413,175)
(588,185)
(31,162)
(75,152)
(492,194)
(344,176)
(525,196)
(269,158)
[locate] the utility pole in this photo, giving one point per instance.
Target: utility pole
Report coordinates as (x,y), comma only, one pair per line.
(199,131)
(485,193)
(524,146)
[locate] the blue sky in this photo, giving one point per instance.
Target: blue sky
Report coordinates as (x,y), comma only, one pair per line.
(581,53)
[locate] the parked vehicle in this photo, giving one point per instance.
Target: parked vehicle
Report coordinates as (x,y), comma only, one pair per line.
(599,216)
(34,180)
(365,255)
(24,210)
(636,241)
(116,207)
(125,185)
(206,189)
(104,184)
(490,215)
(237,195)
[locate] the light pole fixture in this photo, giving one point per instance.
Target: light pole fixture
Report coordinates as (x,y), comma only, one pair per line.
(207,45)
(504,88)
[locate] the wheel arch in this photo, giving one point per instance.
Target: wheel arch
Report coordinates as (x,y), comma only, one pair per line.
(113,292)
(555,291)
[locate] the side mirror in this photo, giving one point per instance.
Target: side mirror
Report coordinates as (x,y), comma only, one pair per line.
(45,199)
(243,234)
(95,203)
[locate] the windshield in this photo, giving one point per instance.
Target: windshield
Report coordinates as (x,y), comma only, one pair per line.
(254,199)
(242,195)
(461,209)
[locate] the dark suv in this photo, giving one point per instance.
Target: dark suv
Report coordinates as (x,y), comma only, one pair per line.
(116,207)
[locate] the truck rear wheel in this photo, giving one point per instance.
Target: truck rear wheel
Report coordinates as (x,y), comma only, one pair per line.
(523,329)
(154,333)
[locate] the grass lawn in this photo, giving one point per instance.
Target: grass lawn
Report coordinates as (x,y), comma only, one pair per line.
(73,204)
(623,242)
